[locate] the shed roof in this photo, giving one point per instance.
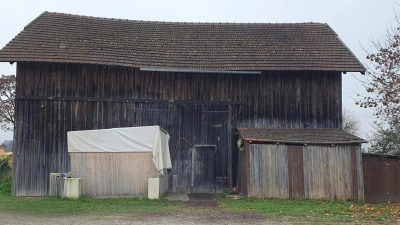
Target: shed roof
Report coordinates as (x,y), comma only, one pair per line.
(66,38)
(300,136)
(381,156)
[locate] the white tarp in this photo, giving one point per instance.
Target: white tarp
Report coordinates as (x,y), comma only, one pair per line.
(129,139)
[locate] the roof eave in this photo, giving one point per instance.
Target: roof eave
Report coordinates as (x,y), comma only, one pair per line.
(364,69)
(158,68)
(305,142)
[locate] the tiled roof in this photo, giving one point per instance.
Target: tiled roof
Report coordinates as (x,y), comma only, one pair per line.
(57,37)
(300,136)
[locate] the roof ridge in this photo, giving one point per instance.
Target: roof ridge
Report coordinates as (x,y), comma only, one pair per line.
(176,22)
(36,19)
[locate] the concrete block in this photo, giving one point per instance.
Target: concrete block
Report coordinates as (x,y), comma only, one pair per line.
(153,188)
(71,188)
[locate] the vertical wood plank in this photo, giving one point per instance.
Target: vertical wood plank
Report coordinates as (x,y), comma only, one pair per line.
(268,171)
(354,173)
(328,172)
(113,174)
(296,172)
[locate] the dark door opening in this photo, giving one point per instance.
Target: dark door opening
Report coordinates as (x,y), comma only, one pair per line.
(203,168)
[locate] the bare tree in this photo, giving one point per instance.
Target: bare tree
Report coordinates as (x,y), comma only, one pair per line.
(382,80)
(350,121)
(7,102)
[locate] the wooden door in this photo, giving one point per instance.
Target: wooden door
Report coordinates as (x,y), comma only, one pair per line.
(208,127)
(217,130)
(203,168)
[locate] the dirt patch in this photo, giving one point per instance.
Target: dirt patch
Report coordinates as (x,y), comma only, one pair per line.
(202,200)
(202,204)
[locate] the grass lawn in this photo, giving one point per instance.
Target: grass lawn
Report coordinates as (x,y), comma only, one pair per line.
(317,211)
(295,211)
(9,203)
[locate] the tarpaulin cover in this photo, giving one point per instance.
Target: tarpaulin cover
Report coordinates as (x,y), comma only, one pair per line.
(129,139)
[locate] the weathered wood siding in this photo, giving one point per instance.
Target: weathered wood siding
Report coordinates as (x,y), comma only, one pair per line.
(203,169)
(52,99)
(244,169)
(107,174)
(55,189)
(296,172)
(268,171)
(310,172)
(164,182)
(328,173)
(381,178)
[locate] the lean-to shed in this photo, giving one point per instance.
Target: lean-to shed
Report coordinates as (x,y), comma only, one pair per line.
(300,164)
(119,161)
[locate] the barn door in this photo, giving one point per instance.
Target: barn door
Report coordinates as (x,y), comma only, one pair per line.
(216,125)
(203,168)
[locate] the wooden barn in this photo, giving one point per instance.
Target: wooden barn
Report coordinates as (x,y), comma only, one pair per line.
(300,164)
(199,81)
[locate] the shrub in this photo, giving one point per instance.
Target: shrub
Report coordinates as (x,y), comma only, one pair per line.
(5,175)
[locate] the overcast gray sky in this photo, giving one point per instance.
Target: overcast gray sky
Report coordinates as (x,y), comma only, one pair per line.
(355,21)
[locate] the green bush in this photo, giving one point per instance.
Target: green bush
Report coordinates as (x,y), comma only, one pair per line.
(5,175)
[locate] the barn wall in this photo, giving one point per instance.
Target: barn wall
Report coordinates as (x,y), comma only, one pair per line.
(113,174)
(268,171)
(330,173)
(310,172)
(203,108)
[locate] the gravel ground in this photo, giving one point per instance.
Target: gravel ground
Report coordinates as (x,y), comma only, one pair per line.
(172,218)
(201,209)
